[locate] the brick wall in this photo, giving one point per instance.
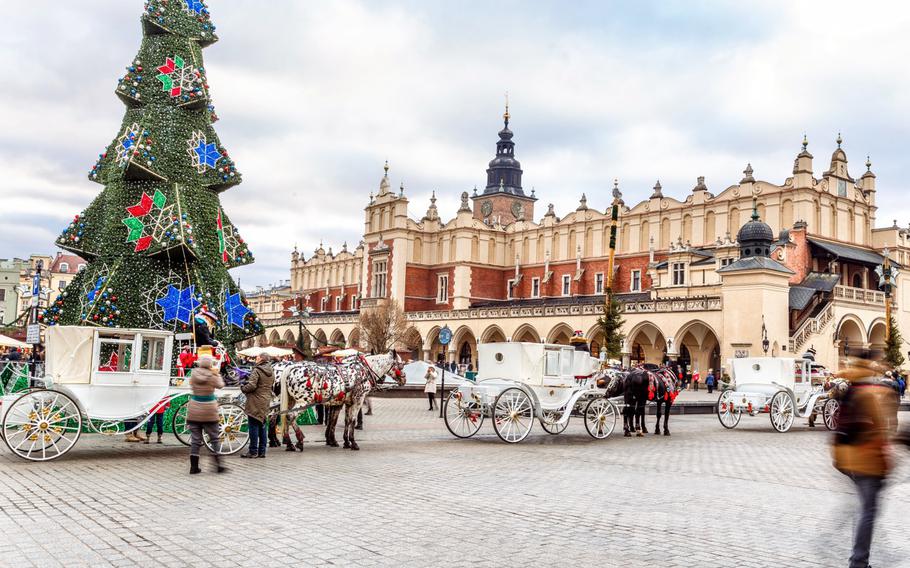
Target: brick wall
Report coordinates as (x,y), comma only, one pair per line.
(420,289)
(799,256)
(316,296)
(502,208)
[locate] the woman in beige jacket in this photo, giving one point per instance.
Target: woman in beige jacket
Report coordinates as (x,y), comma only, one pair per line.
(202,412)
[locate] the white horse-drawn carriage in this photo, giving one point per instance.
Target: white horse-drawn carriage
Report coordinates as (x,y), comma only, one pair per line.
(785,388)
(520,382)
(98,380)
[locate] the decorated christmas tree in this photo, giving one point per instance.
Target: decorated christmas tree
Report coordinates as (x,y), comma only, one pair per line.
(611,323)
(157,242)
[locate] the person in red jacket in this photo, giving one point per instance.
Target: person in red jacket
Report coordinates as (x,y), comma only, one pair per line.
(157,419)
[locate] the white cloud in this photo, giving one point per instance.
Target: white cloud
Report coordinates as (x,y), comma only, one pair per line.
(315,96)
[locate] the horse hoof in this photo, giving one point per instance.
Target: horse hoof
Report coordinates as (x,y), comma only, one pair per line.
(332,444)
(639,435)
(355,447)
(657,432)
(346,445)
(628,434)
(666,432)
(644,430)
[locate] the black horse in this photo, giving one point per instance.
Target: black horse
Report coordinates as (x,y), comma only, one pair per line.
(663,391)
(635,396)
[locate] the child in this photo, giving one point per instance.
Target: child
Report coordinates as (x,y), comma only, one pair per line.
(157,419)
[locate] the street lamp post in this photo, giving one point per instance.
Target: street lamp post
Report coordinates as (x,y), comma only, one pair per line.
(887,280)
(765,344)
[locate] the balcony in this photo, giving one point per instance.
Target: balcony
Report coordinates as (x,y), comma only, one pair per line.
(860,296)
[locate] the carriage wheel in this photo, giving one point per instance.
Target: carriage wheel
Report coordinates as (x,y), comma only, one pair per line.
(782,411)
(600,418)
(233,425)
(42,425)
(550,422)
(463,418)
(513,415)
(179,425)
(726,413)
(829,413)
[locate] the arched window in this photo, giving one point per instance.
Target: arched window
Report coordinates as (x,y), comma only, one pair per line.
(665,233)
(687,228)
(733,222)
(710,227)
(623,238)
(857,280)
(644,236)
(418,250)
(786,214)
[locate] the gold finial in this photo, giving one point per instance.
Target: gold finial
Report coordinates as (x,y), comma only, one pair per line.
(506,115)
(386,167)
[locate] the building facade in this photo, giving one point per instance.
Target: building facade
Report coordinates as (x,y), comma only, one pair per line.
(689,290)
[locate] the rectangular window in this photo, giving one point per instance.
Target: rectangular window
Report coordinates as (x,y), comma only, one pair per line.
(442,289)
(114,355)
(535,287)
(599,283)
(551,363)
(152,354)
(2,295)
(566,284)
(635,282)
(679,273)
(61,284)
(379,278)
(339,301)
(324,304)
(725,261)
(510,289)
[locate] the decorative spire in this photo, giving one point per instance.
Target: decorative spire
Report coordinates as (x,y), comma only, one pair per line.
(506,115)
(401,189)
(805,142)
(475,191)
(616,193)
(700,184)
(755,216)
(550,211)
(532,192)
(432,212)
(384,182)
(839,140)
(583,203)
(344,247)
(658,191)
(504,171)
(868,164)
(747,174)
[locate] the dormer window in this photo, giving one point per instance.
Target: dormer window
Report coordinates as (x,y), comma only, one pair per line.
(64,267)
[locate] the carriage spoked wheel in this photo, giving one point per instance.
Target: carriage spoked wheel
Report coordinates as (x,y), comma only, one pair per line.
(179,426)
(513,415)
(829,413)
(600,418)
(550,422)
(726,413)
(42,425)
(463,417)
(782,411)
(233,426)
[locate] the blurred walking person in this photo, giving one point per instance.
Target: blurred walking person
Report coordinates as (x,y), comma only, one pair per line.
(710,381)
(202,412)
(861,446)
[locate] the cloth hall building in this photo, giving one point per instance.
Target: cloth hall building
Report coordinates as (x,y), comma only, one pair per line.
(701,279)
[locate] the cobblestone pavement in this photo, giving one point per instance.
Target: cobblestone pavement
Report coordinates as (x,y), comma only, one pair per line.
(416,496)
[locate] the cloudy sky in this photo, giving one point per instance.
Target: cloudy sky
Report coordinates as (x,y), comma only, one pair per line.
(314,96)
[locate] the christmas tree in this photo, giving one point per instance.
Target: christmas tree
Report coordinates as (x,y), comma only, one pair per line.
(611,323)
(893,344)
(157,242)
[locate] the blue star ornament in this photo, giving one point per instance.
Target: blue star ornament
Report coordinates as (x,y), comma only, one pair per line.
(178,304)
(208,154)
(195,6)
(235,310)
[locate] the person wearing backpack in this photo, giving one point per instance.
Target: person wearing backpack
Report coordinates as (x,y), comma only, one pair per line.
(861,448)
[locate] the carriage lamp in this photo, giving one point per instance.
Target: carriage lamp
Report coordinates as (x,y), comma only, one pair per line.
(765,344)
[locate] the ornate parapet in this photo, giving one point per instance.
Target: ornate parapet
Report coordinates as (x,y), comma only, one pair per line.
(703,304)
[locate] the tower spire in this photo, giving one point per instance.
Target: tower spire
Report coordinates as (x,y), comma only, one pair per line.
(506,115)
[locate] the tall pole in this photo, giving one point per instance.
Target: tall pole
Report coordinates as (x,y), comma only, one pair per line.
(614,217)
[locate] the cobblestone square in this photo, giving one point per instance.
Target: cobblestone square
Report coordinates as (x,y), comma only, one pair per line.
(416,496)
